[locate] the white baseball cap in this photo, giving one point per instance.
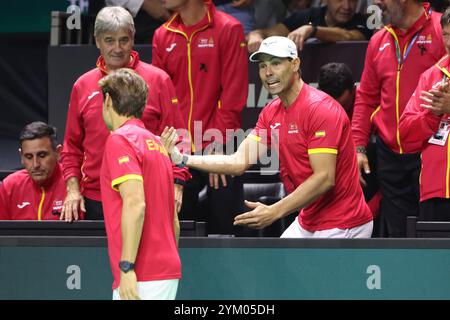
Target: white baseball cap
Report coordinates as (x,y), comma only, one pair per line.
(276,46)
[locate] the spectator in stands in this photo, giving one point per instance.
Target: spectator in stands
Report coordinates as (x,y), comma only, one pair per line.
(203,51)
(335,22)
(396,56)
(241,10)
(36,192)
(312,135)
(85,135)
(137,192)
(148,15)
(297,5)
(268,13)
(424,128)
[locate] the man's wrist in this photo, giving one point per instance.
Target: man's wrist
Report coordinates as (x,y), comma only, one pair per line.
(313,31)
(361,149)
(183,162)
(179,181)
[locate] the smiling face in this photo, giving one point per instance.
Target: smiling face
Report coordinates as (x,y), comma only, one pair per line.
(278,74)
(39,158)
(115,48)
(341,11)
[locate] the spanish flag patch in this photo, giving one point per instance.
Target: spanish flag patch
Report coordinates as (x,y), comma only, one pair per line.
(174,100)
(320,133)
(124,159)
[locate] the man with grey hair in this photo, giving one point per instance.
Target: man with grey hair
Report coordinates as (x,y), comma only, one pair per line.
(311,134)
(86,134)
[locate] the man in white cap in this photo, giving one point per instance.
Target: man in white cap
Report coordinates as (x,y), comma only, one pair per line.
(312,135)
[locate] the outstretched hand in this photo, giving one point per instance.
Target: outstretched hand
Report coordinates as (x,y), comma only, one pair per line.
(260,217)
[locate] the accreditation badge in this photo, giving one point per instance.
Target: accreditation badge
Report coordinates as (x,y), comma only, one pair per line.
(440,137)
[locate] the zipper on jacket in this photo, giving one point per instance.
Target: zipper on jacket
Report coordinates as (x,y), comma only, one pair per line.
(191,85)
(39,217)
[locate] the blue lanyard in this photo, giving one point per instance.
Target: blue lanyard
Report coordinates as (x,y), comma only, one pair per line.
(401,59)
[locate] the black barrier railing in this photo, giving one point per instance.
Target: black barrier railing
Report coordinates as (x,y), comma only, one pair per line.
(427,229)
(86,228)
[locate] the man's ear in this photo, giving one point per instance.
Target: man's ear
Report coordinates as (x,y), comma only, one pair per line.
(58,151)
(107,101)
(20,155)
(97,40)
(296,64)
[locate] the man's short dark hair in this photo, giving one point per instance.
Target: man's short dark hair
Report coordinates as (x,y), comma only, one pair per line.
(128,92)
(37,130)
(445,18)
(335,78)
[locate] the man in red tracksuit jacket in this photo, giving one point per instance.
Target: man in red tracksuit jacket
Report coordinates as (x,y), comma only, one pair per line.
(36,192)
(396,56)
(424,128)
(86,133)
(204,53)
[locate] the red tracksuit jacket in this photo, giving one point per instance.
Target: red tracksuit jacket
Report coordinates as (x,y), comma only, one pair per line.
(208,65)
(86,133)
(417,125)
(386,85)
(22,199)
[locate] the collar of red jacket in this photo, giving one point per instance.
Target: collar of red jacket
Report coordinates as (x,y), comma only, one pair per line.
(132,65)
(176,24)
(418,25)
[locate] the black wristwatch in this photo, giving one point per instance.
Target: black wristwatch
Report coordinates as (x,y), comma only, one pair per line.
(184,161)
(126,266)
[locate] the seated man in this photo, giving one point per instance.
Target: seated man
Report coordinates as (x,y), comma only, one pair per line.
(335,22)
(36,192)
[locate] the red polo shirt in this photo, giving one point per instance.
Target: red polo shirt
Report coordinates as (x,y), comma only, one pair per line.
(315,123)
(132,152)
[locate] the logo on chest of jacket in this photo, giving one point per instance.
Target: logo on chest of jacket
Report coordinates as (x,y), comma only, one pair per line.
(425,39)
(170,48)
(57,207)
(206,43)
(23,205)
(292,128)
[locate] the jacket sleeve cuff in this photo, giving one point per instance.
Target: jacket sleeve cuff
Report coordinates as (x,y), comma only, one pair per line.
(69,173)
(181,176)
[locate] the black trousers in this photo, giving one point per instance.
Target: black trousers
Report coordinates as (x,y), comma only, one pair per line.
(94,209)
(435,209)
(220,206)
(398,178)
